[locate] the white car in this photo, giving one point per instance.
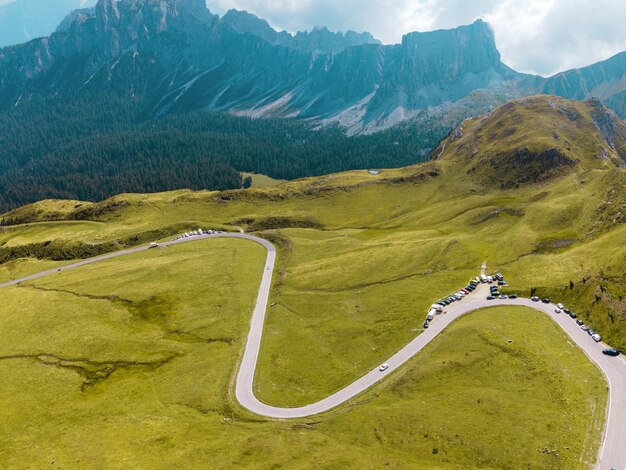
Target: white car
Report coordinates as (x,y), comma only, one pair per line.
(153,245)
(557,310)
(559,306)
(384,367)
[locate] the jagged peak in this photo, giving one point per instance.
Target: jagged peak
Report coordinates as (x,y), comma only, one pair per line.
(112,7)
(236,18)
(478,28)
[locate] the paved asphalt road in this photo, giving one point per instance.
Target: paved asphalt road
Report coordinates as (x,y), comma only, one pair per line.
(613,450)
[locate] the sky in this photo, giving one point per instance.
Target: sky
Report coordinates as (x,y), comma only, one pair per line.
(534,36)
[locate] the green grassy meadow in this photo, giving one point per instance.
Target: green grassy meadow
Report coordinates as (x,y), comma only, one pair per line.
(99,372)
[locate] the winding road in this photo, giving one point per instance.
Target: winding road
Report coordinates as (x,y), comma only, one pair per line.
(613,450)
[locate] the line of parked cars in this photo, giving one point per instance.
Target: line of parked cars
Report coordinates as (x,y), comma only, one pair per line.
(495,294)
(438,306)
(197,233)
(594,335)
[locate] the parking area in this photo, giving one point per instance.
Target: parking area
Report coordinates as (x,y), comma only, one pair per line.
(495,284)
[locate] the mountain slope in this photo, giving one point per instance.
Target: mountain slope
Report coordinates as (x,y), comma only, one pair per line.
(100,145)
(605,80)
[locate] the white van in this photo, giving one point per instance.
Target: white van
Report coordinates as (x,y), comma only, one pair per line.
(597,338)
(431,315)
(437,308)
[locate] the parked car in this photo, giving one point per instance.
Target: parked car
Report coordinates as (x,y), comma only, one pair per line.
(512,296)
(545,300)
(557,310)
(591,332)
(573,315)
(584,328)
(491,297)
(560,306)
(426,324)
(503,297)
(580,322)
(384,367)
(596,337)
(566,310)
(535,299)
(501,283)
(611,352)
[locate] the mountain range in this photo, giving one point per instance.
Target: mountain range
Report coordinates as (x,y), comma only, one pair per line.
(178,57)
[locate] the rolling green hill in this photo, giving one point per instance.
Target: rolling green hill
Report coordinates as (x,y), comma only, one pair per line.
(536,189)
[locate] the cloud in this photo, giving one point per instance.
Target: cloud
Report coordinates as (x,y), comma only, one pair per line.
(536,36)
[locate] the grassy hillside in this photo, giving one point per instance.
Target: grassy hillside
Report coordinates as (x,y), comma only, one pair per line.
(361,258)
(534,139)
